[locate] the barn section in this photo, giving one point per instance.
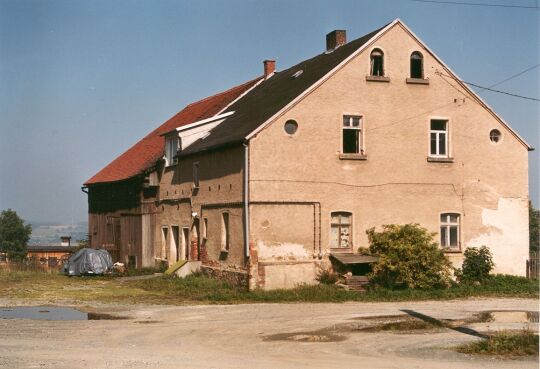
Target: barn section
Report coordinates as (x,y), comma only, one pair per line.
(121,219)
(123,197)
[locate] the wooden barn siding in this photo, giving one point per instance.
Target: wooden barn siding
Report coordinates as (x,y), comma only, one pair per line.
(131,237)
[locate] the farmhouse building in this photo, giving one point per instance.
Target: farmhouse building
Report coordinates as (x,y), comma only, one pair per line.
(268,181)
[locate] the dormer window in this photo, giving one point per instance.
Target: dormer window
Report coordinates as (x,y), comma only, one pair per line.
(377,63)
(417,65)
(172,144)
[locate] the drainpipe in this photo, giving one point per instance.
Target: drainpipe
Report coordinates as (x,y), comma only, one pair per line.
(246,199)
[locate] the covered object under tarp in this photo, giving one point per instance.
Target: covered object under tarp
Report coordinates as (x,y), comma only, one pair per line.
(88,261)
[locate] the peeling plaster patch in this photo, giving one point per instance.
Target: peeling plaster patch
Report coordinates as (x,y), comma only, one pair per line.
(507,235)
(283,251)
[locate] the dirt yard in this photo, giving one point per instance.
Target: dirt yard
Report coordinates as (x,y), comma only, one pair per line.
(346,335)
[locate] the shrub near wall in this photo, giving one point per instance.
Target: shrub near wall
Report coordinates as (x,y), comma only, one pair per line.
(408,258)
(477,264)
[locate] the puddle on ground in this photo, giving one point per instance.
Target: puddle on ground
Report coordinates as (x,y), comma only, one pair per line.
(404,324)
(379,317)
(322,335)
(52,313)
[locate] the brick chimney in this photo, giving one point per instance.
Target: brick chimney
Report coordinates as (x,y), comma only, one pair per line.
(335,39)
(269,67)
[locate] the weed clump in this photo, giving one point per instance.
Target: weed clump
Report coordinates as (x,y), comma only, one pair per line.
(504,343)
(327,276)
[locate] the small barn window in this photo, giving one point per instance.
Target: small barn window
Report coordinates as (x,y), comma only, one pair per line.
(450,237)
(205,228)
(164,241)
(417,65)
(196,175)
(377,63)
(225,234)
(495,135)
(341,230)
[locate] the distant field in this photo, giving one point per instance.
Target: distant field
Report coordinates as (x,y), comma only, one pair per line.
(50,233)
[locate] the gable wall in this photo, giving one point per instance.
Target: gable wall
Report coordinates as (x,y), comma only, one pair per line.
(487,183)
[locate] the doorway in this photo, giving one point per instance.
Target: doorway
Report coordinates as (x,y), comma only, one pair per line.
(195,238)
(185,244)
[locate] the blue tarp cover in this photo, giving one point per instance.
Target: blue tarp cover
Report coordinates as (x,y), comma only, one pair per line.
(88,261)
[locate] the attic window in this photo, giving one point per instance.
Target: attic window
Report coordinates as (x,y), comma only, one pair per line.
(377,63)
(297,74)
(495,135)
(417,65)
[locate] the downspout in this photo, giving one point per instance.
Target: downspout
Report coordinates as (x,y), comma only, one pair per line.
(246,199)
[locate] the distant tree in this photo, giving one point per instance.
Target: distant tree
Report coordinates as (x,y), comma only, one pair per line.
(14,235)
(534,229)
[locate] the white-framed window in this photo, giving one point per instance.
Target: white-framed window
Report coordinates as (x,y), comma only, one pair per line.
(450,231)
(225,234)
(377,63)
(341,230)
(417,65)
(438,138)
(171,149)
(352,137)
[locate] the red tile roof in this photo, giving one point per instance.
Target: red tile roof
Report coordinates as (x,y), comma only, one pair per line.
(144,154)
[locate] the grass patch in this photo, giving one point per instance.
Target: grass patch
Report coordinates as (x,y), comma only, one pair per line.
(53,287)
(524,343)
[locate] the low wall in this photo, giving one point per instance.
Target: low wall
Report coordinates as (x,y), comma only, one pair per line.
(234,277)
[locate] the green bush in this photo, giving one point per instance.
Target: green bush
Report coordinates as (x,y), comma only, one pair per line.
(477,264)
(408,258)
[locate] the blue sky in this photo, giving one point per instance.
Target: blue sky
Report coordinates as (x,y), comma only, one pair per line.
(81,81)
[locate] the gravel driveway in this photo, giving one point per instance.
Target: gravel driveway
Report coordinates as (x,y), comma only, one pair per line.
(259,336)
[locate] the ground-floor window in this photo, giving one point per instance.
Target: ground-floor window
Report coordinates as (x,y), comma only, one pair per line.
(341,230)
(450,237)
